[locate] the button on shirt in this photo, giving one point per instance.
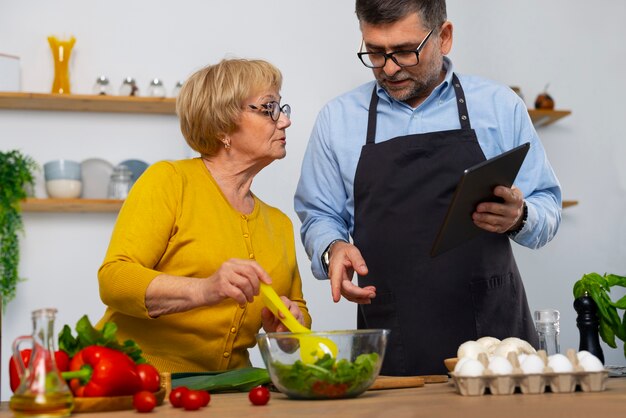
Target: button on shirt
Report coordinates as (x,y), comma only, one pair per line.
(324,198)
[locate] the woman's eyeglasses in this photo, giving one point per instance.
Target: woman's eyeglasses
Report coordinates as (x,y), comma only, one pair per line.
(273,110)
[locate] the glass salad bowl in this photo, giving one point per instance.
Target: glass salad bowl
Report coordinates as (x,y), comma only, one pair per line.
(351,372)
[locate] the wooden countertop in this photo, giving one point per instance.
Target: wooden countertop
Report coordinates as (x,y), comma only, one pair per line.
(432,400)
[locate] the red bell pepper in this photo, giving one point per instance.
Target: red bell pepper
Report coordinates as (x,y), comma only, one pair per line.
(61,358)
(101,371)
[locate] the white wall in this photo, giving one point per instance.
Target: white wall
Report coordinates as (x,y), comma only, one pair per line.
(576,48)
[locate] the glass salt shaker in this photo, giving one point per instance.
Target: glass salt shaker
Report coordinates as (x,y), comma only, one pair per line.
(120,182)
(156,89)
(129,87)
(177,88)
(101,87)
(547,325)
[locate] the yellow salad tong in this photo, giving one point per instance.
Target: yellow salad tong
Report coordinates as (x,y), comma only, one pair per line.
(311,347)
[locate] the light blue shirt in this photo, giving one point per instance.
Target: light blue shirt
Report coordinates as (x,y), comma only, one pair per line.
(324,199)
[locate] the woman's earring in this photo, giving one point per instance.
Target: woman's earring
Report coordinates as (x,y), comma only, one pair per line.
(226,144)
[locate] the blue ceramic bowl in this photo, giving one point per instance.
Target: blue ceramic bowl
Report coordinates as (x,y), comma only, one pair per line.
(62,170)
(136,167)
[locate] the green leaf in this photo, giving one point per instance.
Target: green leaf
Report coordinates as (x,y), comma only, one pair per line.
(231,381)
(607,334)
(87,335)
(16,174)
(67,342)
(615,280)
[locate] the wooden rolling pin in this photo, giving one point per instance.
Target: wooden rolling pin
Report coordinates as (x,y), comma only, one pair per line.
(397,382)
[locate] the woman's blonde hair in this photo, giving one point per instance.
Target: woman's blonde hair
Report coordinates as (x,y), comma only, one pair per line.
(211,100)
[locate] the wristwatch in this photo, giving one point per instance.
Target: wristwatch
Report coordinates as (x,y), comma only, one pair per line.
(325,258)
(515,231)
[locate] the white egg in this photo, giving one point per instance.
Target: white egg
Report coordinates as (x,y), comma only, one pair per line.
(560,364)
(591,363)
(471,368)
(582,354)
(500,365)
(489,343)
(470,349)
(521,357)
(504,348)
(532,364)
(459,363)
(522,346)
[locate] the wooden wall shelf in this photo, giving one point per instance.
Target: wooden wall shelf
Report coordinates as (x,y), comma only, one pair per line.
(541,117)
(71,205)
(108,205)
(87,103)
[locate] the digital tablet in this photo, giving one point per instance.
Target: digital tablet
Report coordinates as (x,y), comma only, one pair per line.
(476,185)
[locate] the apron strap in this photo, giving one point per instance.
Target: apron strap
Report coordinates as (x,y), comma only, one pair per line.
(460,103)
(371,119)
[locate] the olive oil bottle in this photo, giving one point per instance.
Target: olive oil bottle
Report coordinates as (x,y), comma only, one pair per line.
(42,391)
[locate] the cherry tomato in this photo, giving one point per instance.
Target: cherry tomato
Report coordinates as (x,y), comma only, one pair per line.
(192,400)
(206,397)
(176,396)
(259,395)
(144,401)
(150,378)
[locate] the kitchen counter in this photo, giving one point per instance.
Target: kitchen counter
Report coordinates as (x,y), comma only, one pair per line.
(431,400)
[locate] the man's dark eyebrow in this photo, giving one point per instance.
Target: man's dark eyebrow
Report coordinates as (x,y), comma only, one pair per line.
(407,46)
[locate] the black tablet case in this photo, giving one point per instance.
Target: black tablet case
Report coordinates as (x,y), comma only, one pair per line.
(476,185)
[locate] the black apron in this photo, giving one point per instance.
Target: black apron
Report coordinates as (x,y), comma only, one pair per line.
(402,189)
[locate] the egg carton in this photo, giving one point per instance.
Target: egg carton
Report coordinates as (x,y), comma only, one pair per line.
(531,383)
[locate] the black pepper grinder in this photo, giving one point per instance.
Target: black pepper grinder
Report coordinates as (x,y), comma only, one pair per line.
(588,325)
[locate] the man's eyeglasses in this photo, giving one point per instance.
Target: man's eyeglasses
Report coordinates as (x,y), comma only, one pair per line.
(273,110)
(400,58)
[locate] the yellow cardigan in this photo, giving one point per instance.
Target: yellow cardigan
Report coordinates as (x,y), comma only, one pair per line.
(177,221)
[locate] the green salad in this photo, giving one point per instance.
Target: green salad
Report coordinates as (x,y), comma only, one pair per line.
(327,377)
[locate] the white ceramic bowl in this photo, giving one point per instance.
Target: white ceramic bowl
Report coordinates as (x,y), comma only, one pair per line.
(64,189)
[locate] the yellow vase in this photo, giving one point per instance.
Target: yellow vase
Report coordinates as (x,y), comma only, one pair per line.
(61,51)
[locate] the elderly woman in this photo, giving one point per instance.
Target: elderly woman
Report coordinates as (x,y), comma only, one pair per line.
(192,243)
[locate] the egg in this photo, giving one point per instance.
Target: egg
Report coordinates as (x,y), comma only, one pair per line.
(489,343)
(470,349)
(532,364)
(560,364)
(521,357)
(591,363)
(522,346)
(500,365)
(504,348)
(582,353)
(471,368)
(459,363)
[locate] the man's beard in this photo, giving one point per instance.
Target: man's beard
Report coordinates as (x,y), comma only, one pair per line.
(419,88)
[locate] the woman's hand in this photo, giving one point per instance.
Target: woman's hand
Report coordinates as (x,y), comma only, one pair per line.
(272,324)
(236,279)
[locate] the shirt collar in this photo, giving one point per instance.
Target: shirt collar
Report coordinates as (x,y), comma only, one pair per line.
(438,92)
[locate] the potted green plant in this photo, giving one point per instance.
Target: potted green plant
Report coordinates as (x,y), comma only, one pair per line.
(16,176)
(597,287)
